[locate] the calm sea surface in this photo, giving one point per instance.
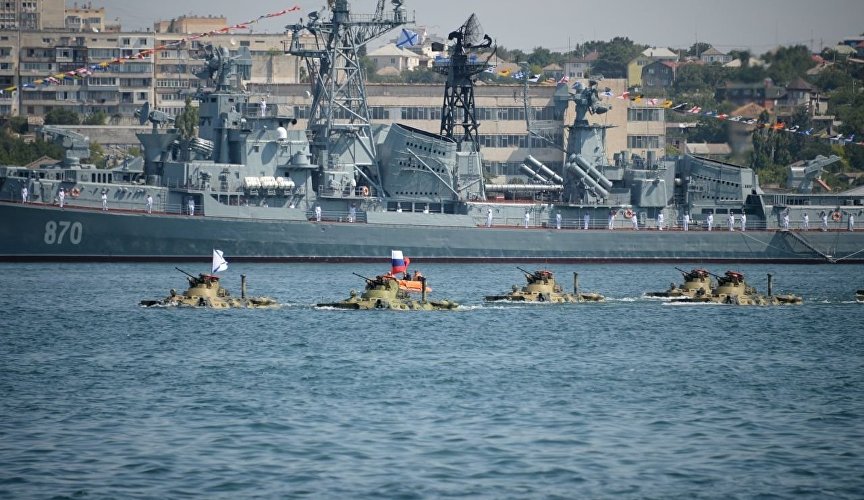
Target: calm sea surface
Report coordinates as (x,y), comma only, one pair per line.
(634,398)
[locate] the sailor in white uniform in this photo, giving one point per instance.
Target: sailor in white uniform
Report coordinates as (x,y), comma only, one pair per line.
(527,219)
(612,219)
(488,217)
(743,221)
(686,222)
(786,220)
(62,197)
(851,222)
(634,221)
(104,201)
(731,222)
(710,221)
(805,222)
(558,221)
(317,213)
(25,195)
(824,216)
(660,221)
(587,220)
(149,204)
(191,206)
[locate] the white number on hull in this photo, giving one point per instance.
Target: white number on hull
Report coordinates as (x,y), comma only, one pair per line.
(55,232)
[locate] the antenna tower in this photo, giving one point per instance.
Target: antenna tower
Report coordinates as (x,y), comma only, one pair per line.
(461,70)
(339,115)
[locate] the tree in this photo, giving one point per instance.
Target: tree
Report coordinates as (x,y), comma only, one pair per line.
(96,118)
(787,63)
(62,116)
(698,48)
(614,56)
(742,55)
(15,151)
(187,120)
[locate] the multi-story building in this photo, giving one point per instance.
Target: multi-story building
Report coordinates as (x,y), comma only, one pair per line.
(85,18)
(115,89)
(31,15)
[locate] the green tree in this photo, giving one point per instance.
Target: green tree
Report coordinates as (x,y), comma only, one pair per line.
(614,56)
(787,63)
(97,155)
(62,116)
(96,118)
(187,120)
(698,48)
(15,151)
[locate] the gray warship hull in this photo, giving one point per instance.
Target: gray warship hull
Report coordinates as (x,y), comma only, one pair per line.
(48,233)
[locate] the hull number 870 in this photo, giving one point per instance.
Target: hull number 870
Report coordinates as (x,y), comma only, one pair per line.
(57,233)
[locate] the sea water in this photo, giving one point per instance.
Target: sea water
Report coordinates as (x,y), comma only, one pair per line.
(632,398)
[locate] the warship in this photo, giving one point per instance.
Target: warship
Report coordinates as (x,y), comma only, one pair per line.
(205,291)
(345,189)
(384,292)
(541,287)
(732,289)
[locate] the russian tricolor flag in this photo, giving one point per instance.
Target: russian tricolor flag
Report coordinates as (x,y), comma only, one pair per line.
(399,263)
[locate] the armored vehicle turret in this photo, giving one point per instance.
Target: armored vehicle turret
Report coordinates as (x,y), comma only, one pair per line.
(732,289)
(206,291)
(697,283)
(384,292)
(541,287)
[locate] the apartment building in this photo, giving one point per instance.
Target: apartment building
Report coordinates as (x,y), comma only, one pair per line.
(115,89)
(32,15)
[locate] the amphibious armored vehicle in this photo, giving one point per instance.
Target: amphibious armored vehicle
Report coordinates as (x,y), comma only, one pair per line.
(384,292)
(697,283)
(541,287)
(206,291)
(732,289)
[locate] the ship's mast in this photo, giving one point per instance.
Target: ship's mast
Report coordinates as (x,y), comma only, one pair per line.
(339,116)
(461,70)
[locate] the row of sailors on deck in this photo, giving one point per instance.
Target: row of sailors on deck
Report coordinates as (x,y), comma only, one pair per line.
(741,221)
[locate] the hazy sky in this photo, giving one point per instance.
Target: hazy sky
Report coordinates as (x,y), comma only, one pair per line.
(558,24)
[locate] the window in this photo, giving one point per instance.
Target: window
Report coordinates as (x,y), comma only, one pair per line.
(644,115)
(644,142)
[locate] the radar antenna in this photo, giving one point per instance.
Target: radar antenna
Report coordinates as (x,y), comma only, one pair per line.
(461,69)
(339,118)
(221,65)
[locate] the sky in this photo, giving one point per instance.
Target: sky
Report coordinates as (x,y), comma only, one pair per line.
(758,25)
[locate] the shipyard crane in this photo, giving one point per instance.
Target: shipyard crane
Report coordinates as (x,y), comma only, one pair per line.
(339,118)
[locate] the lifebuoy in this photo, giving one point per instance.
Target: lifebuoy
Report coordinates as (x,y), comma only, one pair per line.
(836,216)
(75,192)
(365,190)
(628,213)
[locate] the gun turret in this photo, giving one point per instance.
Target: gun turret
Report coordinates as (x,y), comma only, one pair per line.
(184,272)
(368,280)
(524,271)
